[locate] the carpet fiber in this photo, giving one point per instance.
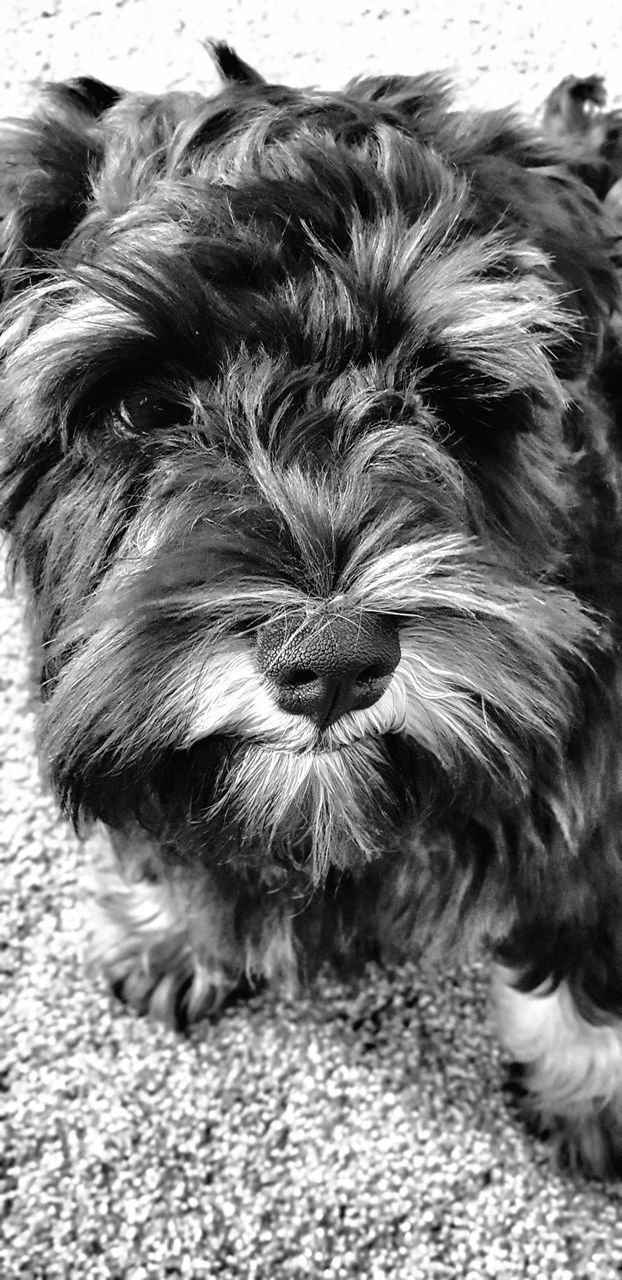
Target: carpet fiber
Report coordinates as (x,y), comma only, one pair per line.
(365,1131)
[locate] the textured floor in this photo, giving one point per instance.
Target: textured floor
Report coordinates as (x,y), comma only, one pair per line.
(364,1132)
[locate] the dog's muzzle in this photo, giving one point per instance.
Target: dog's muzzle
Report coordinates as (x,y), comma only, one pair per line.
(328,664)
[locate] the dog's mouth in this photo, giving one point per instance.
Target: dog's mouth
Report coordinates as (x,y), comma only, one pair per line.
(323,743)
(318,748)
(306,741)
(321,748)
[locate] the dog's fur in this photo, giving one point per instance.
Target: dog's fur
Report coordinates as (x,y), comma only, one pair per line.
(276,362)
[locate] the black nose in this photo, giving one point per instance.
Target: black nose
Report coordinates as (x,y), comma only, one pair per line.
(323,666)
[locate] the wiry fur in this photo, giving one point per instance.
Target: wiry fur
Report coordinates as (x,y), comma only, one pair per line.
(296,357)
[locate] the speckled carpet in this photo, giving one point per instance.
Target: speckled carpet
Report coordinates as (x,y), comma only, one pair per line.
(363,1132)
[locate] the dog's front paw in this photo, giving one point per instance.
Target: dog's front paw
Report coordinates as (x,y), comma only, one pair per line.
(174,943)
(590,1141)
(173,986)
(586,1139)
(146,955)
(568,1071)
(164,950)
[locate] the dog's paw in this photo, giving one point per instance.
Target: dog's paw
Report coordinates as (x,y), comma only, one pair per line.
(590,1142)
(567,1074)
(177,997)
(175,945)
(176,989)
(586,1141)
(164,951)
(149,963)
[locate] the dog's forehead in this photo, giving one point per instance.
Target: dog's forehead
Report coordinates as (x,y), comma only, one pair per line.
(278,282)
(280,301)
(338,261)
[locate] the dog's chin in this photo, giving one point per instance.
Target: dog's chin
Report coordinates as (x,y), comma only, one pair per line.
(337,801)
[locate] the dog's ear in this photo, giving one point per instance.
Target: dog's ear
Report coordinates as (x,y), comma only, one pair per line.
(46,163)
(576,115)
(230,67)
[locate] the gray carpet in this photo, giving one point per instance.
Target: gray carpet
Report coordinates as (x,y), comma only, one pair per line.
(363,1132)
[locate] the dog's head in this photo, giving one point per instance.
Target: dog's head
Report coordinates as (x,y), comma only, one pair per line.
(284,390)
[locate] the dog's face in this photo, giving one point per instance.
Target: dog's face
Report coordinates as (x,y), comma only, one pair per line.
(283,417)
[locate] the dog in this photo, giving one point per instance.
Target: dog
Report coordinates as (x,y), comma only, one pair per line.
(311,466)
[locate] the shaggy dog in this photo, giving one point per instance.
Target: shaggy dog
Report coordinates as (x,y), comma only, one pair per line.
(311,465)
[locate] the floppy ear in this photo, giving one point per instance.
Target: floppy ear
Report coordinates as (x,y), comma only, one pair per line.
(576,114)
(45,165)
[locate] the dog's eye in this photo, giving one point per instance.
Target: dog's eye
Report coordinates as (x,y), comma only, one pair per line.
(145,414)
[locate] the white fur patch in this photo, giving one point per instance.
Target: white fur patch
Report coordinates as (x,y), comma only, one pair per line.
(573,1063)
(229,696)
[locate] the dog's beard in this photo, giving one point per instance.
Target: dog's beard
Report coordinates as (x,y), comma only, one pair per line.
(312,808)
(265,781)
(342,794)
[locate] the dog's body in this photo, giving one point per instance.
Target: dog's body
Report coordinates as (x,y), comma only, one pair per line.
(312,463)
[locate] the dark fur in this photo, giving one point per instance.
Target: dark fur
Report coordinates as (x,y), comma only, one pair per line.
(277,353)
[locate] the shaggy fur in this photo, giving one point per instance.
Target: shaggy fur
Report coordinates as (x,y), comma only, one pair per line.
(311,462)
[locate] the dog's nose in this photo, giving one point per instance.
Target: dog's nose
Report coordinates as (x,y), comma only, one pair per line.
(323,667)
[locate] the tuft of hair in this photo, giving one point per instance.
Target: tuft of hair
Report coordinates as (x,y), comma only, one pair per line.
(230,66)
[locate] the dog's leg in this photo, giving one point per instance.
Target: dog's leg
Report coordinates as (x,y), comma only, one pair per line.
(177,946)
(571,1069)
